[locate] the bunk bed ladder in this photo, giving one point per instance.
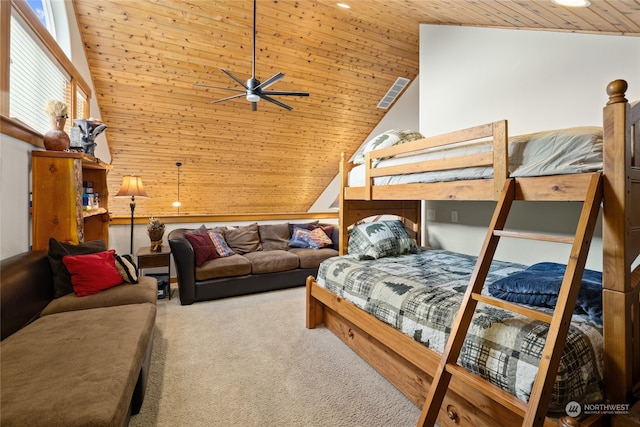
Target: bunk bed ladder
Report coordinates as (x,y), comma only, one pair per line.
(533,412)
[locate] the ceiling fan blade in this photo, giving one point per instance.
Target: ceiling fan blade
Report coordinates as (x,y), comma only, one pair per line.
(279,92)
(240,82)
(254,106)
(275,101)
(227,98)
(271,80)
(218,87)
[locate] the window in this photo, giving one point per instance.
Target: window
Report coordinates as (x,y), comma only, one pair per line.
(42,10)
(82,104)
(34,78)
(38,68)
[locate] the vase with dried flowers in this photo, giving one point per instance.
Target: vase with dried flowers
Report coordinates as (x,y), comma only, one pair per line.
(156,231)
(56,139)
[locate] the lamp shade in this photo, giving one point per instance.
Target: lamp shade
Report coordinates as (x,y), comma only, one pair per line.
(131,186)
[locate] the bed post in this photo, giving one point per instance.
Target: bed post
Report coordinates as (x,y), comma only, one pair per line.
(500,157)
(620,240)
(342,224)
(315,315)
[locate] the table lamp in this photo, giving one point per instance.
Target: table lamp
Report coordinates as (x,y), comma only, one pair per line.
(131,186)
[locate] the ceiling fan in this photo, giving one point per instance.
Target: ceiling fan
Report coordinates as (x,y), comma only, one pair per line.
(254,91)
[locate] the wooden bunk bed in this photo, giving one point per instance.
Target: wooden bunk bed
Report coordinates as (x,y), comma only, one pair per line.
(411,366)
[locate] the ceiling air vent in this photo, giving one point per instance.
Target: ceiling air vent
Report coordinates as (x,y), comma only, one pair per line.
(393,92)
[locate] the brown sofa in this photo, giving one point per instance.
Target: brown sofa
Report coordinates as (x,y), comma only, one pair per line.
(71,361)
(262,260)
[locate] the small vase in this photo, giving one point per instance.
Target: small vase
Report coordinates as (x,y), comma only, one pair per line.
(57,139)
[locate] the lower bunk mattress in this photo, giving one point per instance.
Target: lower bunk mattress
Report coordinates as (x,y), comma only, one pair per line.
(420,295)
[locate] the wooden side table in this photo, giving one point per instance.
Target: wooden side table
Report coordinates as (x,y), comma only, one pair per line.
(149,259)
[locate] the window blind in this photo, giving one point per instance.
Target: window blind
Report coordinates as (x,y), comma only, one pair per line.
(34,78)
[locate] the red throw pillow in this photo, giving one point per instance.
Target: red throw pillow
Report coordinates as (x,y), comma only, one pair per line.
(92,273)
(202,247)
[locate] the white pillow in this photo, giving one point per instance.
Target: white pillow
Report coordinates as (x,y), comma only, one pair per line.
(386,139)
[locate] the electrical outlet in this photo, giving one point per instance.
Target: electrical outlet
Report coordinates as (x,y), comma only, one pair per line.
(431,214)
(454,216)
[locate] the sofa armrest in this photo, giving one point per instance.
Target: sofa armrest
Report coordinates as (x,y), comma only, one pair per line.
(26,287)
(184,258)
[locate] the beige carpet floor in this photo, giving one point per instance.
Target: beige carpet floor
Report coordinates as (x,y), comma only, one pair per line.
(249,361)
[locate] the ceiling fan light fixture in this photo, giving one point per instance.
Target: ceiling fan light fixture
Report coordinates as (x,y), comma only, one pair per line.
(572,3)
(252,97)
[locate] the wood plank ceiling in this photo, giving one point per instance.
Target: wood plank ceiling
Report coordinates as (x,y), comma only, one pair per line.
(146,55)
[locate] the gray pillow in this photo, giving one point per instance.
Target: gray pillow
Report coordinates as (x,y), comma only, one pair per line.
(61,277)
(274,236)
(373,240)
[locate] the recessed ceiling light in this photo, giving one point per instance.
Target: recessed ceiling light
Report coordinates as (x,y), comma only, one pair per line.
(572,3)
(343,5)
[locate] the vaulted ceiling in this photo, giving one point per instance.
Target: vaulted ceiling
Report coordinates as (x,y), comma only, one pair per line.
(146,55)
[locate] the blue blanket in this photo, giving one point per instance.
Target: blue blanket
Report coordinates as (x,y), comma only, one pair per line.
(539,286)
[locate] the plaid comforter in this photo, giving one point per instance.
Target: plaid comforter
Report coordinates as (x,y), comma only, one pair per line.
(420,295)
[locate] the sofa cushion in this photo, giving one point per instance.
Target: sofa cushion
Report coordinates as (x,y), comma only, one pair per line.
(92,273)
(274,236)
(203,248)
(234,265)
(61,278)
(75,369)
(272,261)
(311,258)
(243,239)
(145,291)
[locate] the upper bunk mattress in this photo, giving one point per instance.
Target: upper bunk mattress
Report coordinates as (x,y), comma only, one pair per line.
(420,295)
(562,151)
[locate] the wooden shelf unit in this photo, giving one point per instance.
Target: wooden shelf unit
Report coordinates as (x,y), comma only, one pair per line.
(57,186)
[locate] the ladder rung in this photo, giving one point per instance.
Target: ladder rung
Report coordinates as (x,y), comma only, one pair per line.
(514,308)
(498,395)
(533,236)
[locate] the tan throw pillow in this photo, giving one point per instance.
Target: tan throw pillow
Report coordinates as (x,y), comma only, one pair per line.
(320,237)
(243,239)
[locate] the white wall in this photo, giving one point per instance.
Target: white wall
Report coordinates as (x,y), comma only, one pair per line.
(536,80)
